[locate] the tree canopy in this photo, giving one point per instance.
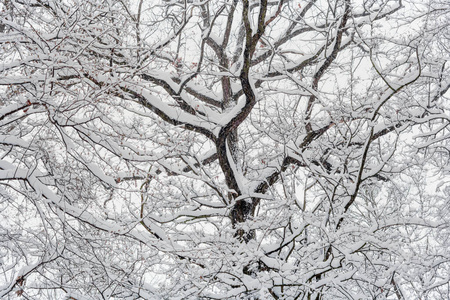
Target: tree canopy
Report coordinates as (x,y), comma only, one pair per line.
(224,149)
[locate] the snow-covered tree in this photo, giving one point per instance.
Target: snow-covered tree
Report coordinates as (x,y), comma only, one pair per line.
(224,149)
